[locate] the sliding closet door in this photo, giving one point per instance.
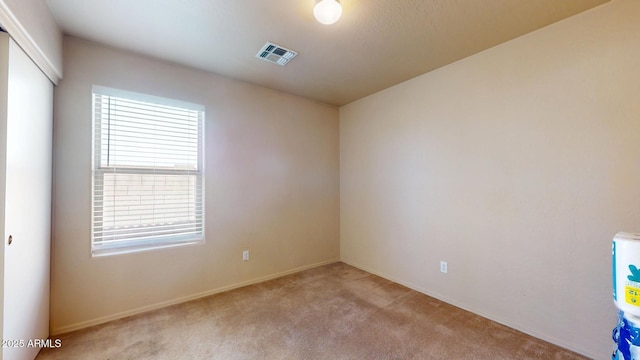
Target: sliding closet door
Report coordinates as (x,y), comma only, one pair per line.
(27,202)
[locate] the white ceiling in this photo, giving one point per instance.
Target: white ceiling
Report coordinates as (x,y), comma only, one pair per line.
(376,43)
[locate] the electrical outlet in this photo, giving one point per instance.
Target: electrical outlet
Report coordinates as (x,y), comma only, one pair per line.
(443,267)
(245,255)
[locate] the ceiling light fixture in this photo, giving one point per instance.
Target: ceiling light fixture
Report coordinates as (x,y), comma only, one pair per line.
(327,11)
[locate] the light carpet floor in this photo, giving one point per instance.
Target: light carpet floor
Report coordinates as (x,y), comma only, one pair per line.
(330,312)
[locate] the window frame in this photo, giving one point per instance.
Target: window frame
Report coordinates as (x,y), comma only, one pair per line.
(98,172)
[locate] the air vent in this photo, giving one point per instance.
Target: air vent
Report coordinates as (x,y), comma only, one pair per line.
(276,54)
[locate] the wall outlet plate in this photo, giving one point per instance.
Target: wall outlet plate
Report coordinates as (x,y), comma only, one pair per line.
(443,267)
(245,255)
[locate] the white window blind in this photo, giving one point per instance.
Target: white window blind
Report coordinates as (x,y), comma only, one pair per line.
(147,173)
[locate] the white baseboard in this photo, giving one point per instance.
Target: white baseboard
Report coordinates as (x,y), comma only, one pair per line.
(143,309)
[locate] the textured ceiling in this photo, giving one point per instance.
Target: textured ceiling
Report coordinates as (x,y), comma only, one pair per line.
(376,43)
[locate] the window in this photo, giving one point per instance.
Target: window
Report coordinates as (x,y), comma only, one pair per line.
(147,172)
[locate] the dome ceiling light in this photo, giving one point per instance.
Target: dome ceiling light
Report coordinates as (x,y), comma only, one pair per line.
(327,12)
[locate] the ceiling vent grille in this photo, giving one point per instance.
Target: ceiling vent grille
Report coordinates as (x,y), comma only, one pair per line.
(276,54)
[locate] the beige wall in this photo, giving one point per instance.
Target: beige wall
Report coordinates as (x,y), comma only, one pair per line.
(517,166)
(272,187)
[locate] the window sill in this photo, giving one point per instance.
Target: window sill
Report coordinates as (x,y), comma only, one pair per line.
(142,248)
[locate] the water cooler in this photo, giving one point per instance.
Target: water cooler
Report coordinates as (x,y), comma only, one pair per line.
(626,295)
